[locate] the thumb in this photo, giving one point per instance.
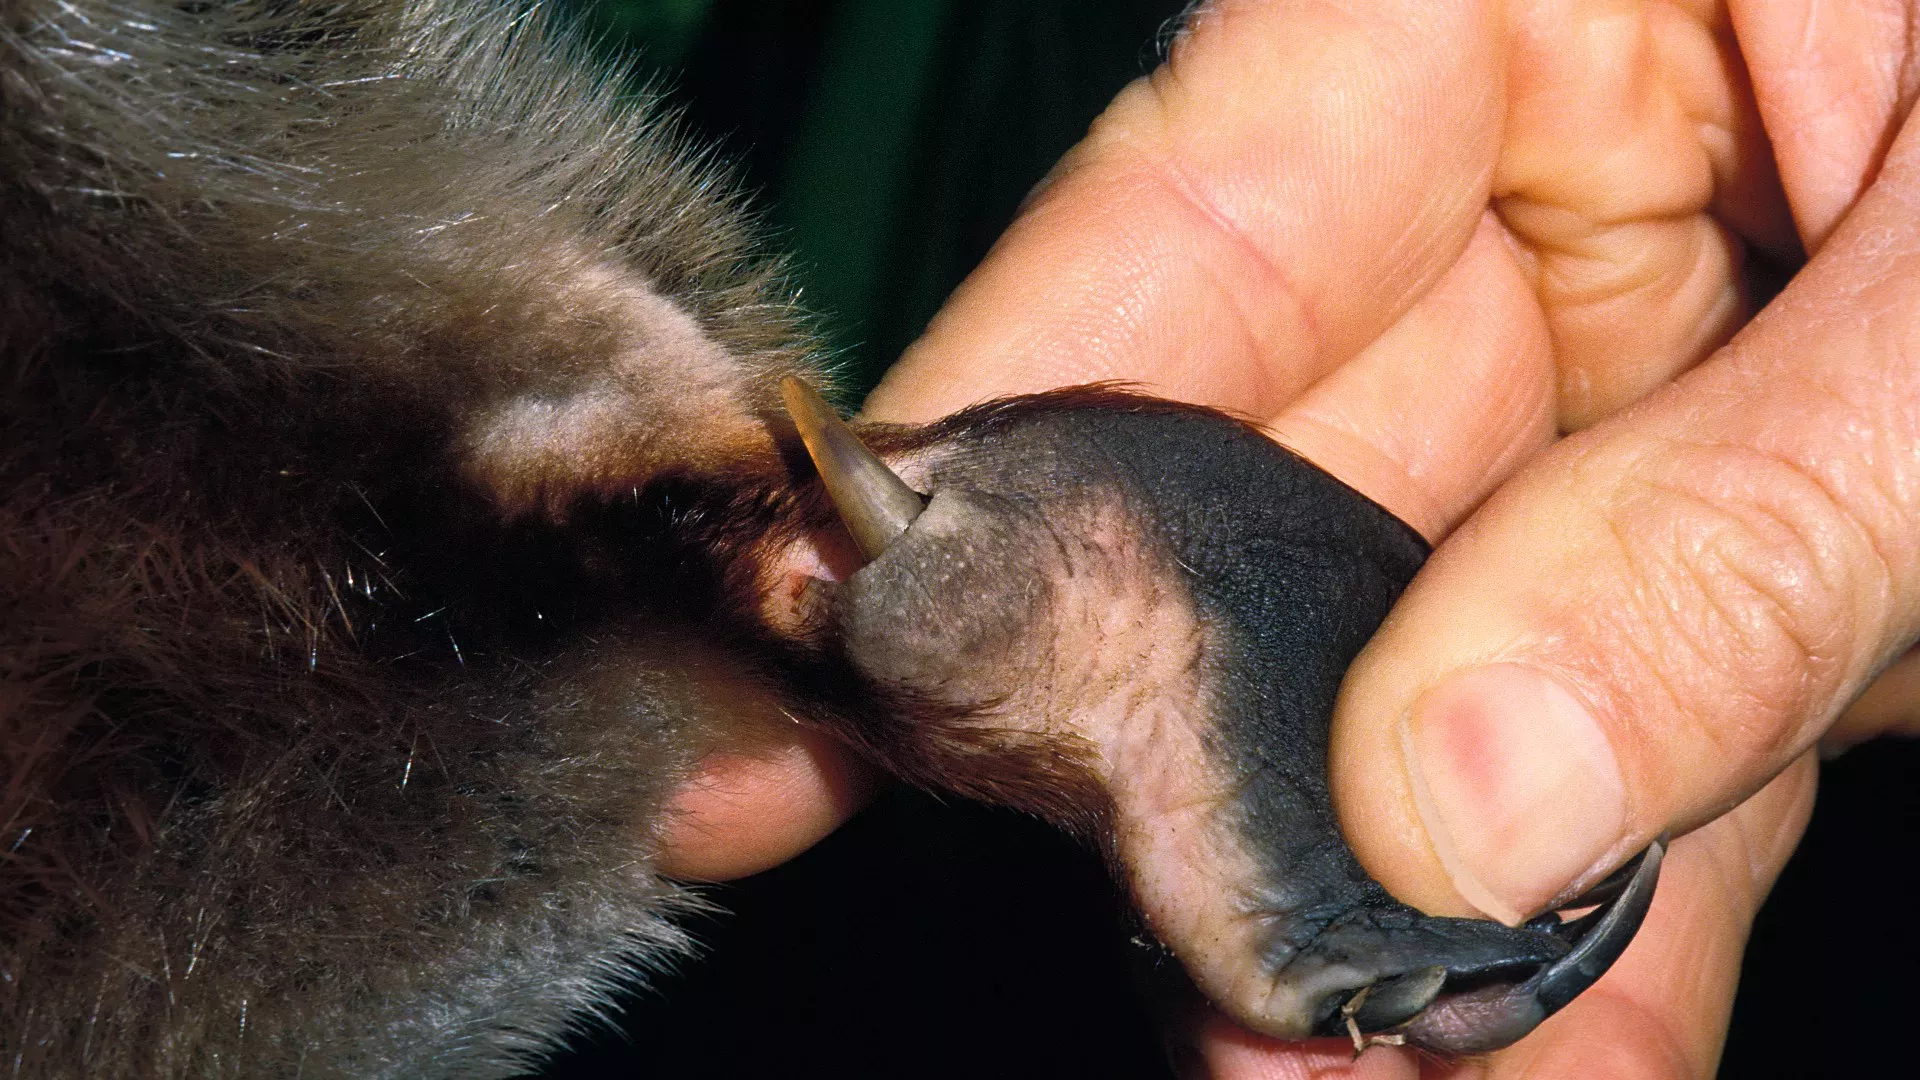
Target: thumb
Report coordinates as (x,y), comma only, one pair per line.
(1662,612)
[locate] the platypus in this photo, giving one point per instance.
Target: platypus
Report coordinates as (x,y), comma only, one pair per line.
(409,470)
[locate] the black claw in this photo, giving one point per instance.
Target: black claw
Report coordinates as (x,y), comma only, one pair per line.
(1490,1017)
(1599,947)
(1461,986)
(1598,898)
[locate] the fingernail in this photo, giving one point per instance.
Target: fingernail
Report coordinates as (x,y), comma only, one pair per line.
(1516,783)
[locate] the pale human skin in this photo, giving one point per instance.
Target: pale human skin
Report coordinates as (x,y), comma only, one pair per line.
(1422,240)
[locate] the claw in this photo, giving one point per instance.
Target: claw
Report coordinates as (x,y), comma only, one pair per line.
(1490,984)
(1599,947)
(876,505)
(1490,1017)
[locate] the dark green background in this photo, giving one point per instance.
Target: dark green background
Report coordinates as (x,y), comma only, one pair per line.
(888,142)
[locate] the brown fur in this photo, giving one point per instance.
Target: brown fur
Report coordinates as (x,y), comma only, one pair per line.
(350,353)
(390,499)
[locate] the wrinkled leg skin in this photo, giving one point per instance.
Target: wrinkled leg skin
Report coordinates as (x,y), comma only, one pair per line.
(397,499)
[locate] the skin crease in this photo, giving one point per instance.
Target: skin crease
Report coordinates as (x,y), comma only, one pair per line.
(1557,197)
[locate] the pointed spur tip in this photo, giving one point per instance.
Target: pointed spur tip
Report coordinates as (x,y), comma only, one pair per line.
(875,505)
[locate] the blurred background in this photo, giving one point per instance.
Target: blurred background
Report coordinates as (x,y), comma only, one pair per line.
(886,144)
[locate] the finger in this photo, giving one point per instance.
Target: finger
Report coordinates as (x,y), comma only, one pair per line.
(1658,615)
(1240,222)
(1658,1014)
(744,811)
(1208,239)
(1632,146)
(1833,82)
(1890,706)
(1446,404)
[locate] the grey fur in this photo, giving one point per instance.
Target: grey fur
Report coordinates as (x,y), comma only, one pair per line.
(271,273)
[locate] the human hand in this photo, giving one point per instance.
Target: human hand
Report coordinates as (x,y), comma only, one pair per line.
(1616,302)
(1155,255)
(1738,562)
(1418,241)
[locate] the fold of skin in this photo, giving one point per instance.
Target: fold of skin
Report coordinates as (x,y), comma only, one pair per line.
(1133,617)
